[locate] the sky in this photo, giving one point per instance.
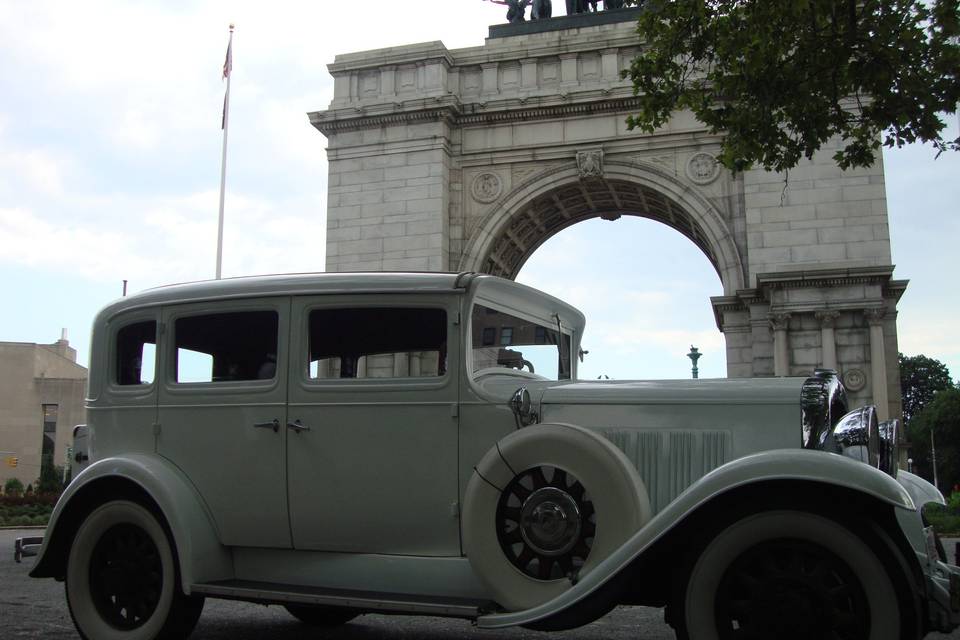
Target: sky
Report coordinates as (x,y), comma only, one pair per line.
(110,147)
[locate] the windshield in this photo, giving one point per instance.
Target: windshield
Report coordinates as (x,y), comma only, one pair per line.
(500,340)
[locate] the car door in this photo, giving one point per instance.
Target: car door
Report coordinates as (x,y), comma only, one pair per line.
(222,411)
(372,442)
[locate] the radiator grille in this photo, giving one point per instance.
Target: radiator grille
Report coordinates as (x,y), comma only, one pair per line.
(670,461)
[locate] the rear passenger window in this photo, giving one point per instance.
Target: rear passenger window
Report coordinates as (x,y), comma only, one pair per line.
(224,347)
(377,343)
(136,353)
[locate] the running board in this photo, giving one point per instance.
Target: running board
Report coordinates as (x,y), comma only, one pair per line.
(273,593)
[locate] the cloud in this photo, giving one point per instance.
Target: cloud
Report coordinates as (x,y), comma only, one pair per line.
(37,170)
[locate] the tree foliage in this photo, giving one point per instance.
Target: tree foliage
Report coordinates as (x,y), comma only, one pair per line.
(779,78)
(13,487)
(920,378)
(941,417)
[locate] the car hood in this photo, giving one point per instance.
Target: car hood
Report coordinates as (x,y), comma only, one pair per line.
(703,391)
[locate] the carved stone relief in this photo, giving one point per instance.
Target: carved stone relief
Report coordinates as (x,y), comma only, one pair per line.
(590,163)
(486,187)
(702,168)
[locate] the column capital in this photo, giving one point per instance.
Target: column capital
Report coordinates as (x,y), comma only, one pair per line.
(827,318)
(779,321)
(874,315)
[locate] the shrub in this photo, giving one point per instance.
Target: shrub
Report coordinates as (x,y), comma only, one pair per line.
(13,487)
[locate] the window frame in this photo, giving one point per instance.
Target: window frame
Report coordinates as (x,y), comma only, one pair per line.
(171,313)
(117,324)
(522,314)
(301,342)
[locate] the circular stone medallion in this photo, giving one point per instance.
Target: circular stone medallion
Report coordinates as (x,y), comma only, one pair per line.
(702,168)
(854,379)
(486,187)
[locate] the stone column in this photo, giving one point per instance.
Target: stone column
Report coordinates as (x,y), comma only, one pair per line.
(828,343)
(878,361)
(779,323)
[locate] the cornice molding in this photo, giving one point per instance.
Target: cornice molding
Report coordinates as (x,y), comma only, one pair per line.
(332,122)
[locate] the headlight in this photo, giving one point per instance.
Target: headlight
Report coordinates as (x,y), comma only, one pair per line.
(822,401)
(857,436)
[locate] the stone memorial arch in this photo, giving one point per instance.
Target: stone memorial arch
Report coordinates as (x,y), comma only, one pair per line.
(469,159)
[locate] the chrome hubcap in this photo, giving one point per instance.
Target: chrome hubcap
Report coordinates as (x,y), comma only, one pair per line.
(546,523)
(550,521)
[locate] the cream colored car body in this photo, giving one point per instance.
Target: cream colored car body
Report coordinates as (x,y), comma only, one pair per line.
(354,496)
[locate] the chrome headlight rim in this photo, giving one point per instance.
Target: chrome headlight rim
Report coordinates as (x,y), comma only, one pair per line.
(857,436)
(823,400)
(889,459)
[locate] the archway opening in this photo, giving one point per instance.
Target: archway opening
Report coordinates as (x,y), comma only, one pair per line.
(552,211)
(645,290)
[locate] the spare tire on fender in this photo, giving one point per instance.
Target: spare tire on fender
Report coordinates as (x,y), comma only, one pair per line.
(545,505)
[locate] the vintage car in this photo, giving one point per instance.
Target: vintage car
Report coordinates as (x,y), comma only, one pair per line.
(418,443)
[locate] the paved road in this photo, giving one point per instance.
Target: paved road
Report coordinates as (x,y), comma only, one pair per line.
(36,609)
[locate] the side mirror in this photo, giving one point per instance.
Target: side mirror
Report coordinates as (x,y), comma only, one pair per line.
(522,407)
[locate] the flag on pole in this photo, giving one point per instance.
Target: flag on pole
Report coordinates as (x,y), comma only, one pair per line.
(227,68)
(228,62)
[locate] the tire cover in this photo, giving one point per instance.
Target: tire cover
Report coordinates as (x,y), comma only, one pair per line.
(619,497)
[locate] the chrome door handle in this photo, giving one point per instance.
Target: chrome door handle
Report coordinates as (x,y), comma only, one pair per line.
(297,427)
(273,424)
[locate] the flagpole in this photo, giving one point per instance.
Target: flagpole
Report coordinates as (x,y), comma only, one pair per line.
(227,68)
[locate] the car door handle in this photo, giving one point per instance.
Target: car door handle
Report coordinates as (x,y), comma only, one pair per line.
(273,424)
(297,427)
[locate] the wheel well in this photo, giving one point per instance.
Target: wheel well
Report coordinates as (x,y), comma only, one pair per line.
(53,564)
(659,575)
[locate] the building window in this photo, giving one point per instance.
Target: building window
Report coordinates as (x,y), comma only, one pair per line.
(506,336)
(489,336)
(50,412)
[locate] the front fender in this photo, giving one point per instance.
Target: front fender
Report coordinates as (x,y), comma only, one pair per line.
(201,556)
(784,464)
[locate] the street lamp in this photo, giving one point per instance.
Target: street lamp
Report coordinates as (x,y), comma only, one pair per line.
(694,355)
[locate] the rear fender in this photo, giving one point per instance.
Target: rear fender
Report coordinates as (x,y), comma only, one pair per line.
(141,477)
(787,464)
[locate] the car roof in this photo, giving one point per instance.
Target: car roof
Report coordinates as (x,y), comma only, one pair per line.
(293,284)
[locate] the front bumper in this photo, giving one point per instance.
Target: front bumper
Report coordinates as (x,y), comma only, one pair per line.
(943,596)
(26,547)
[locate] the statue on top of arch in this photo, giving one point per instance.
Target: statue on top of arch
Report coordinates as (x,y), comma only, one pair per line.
(542,9)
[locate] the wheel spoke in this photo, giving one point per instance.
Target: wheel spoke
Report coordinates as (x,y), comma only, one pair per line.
(513,537)
(577,491)
(539,480)
(511,514)
(525,557)
(520,491)
(546,567)
(559,479)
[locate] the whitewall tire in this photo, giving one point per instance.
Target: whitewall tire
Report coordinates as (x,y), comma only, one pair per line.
(121,579)
(785,575)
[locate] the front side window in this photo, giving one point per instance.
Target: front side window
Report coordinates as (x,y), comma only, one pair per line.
(226,347)
(377,343)
(136,353)
(523,344)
